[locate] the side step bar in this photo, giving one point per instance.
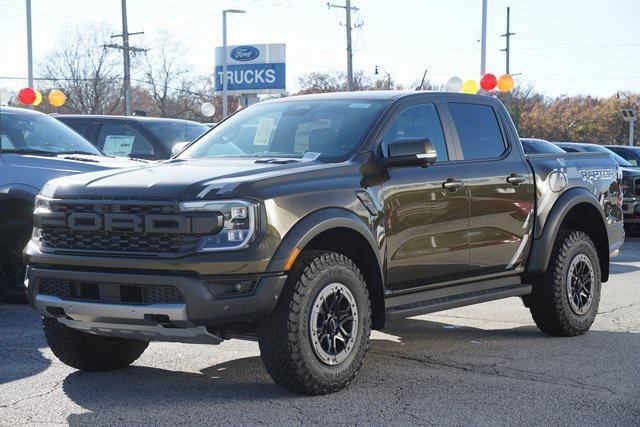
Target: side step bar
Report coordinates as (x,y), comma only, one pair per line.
(439,299)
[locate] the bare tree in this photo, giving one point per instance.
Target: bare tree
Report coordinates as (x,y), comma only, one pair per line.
(85,71)
(321,82)
(167,77)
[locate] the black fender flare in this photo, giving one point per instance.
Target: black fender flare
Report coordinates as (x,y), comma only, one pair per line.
(16,192)
(315,223)
(542,247)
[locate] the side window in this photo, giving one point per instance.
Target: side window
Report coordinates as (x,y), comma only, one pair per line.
(478,130)
(419,121)
(123,140)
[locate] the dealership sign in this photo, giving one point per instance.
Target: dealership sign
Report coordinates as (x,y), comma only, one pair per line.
(258,68)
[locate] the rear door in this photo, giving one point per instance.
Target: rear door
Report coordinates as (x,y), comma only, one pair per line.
(425,224)
(499,184)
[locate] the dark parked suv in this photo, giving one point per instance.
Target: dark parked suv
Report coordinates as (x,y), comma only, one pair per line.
(139,137)
(306,222)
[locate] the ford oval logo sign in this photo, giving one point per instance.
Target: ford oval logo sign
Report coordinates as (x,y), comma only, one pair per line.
(244,53)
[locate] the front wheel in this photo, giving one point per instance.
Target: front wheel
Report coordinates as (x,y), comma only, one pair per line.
(316,339)
(565,299)
(88,352)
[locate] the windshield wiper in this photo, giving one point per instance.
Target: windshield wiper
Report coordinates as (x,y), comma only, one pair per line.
(277,161)
(77,152)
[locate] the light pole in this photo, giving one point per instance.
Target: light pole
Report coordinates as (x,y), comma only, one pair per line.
(483,39)
(225,106)
(29,47)
(386,73)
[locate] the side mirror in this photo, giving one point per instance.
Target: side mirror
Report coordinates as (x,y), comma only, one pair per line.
(410,151)
(178,147)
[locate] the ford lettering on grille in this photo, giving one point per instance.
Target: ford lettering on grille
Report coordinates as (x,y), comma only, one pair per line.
(123,228)
(89,221)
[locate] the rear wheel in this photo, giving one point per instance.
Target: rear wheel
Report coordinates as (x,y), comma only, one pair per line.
(89,352)
(14,236)
(565,300)
(316,339)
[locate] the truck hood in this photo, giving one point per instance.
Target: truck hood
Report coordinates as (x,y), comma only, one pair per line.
(71,163)
(175,179)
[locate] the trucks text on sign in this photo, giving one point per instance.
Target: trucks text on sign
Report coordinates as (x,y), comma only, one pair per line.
(252,68)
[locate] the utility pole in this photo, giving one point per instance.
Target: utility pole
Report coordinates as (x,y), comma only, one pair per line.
(29,47)
(483,40)
(508,35)
(126,49)
(348,8)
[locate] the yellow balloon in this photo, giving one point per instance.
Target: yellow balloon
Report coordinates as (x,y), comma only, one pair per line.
(470,86)
(505,83)
(57,98)
(38,99)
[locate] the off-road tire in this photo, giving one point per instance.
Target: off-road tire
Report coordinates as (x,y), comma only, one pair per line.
(14,236)
(549,303)
(284,338)
(88,352)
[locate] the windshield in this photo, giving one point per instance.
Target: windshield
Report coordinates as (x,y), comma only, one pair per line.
(593,148)
(324,129)
(173,132)
(40,134)
(539,146)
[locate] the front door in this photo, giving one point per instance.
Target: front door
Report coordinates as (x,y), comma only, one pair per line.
(500,188)
(425,224)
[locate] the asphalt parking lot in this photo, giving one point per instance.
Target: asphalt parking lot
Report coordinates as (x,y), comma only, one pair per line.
(485,364)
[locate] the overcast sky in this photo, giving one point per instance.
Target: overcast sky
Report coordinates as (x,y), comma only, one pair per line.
(562,46)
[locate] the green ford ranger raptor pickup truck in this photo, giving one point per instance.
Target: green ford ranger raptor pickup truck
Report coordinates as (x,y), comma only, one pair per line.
(306,222)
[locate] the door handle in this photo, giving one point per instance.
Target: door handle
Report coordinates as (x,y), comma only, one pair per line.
(515,179)
(452,184)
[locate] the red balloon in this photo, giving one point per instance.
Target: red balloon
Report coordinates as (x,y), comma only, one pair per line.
(488,82)
(26,96)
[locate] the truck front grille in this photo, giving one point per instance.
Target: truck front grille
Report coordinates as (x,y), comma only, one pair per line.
(127,237)
(110,292)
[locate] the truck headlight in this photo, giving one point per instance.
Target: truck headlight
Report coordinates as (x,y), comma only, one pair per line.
(240,223)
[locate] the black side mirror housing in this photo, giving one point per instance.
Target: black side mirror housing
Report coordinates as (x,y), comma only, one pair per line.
(410,151)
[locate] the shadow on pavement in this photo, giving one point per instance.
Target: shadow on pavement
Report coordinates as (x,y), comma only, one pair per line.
(619,268)
(21,338)
(411,360)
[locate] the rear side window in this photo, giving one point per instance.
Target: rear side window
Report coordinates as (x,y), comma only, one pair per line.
(478,130)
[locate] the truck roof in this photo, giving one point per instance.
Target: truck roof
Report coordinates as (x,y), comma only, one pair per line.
(371,95)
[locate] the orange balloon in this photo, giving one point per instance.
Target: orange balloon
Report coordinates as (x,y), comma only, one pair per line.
(505,83)
(57,98)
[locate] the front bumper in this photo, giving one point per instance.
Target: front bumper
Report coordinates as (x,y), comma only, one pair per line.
(194,318)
